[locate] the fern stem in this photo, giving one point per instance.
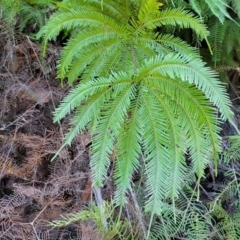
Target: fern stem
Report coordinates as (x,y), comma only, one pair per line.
(99,201)
(209,46)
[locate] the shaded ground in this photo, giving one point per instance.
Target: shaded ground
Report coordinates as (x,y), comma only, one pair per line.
(34,190)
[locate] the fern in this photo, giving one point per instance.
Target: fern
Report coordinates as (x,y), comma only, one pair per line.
(25,13)
(110,37)
(218,8)
(141,93)
(236,6)
(114,228)
(218,32)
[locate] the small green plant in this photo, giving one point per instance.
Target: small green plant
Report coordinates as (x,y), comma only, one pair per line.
(102,223)
(20,14)
(141,93)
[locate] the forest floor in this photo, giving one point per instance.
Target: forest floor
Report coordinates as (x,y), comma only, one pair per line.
(34,190)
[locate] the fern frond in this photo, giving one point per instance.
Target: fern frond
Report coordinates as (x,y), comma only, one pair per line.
(79,18)
(231,153)
(148,10)
(177,45)
(85,114)
(156,153)
(115,9)
(173,17)
(77,95)
(114,229)
(231,41)
(89,56)
(228,227)
(192,71)
(216,38)
(23,13)
(129,152)
(192,134)
(236,6)
(219,9)
(103,36)
(82,45)
(196,6)
(107,129)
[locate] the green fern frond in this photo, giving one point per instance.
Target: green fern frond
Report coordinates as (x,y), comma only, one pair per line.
(129,152)
(196,6)
(34,15)
(156,153)
(23,13)
(236,6)
(231,38)
(79,18)
(78,95)
(231,151)
(219,9)
(208,8)
(148,10)
(216,38)
(228,227)
(107,130)
(197,143)
(81,52)
(164,44)
(192,71)
(173,17)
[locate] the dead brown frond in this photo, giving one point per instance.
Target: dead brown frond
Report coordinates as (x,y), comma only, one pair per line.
(225,68)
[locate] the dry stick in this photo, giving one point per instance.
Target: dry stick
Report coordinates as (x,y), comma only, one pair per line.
(4,127)
(32,223)
(139,211)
